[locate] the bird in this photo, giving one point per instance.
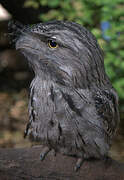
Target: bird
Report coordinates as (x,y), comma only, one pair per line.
(73,107)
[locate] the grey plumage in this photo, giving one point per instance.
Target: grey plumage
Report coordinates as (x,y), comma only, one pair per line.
(73,107)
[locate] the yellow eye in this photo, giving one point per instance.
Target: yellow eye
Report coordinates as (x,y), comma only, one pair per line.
(52,44)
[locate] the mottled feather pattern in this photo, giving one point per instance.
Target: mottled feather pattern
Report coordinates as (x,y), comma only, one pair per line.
(105,102)
(73,107)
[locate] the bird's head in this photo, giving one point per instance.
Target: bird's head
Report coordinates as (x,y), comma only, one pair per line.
(64,52)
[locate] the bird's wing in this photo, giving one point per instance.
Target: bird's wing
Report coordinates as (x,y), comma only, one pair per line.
(79,121)
(98,109)
(106,103)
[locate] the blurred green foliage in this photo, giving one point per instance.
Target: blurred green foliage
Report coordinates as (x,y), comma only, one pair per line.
(91,13)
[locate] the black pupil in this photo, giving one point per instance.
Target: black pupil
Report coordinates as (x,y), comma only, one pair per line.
(52,43)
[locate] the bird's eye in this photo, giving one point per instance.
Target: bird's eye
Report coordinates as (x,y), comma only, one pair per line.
(52,44)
